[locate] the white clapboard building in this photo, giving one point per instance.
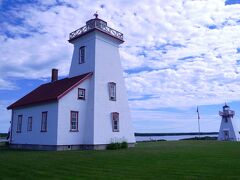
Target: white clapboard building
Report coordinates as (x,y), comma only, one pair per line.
(228,129)
(87,110)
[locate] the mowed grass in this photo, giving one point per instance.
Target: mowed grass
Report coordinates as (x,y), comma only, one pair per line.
(152,160)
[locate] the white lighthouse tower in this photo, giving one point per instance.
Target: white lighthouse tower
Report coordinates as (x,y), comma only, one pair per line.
(96,50)
(228,129)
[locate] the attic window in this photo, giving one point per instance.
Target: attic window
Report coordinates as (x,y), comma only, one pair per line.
(115,121)
(19,124)
(82,55)
(112,91)
(81,93)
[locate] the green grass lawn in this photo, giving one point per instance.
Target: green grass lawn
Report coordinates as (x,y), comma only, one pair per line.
(155,160)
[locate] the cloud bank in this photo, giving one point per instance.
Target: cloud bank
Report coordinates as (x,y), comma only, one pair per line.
(177,53)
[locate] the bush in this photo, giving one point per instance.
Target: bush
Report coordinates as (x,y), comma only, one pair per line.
(112,146)
(117,145)
(124,145)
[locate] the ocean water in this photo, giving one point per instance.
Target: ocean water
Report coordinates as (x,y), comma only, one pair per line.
(168,138)
(3,140)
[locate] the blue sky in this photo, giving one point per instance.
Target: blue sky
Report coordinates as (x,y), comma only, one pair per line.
(177,55)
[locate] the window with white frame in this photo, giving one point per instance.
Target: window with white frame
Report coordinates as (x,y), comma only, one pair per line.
(81,93)
(44,122)
(82,54)
(115,122)
(112,91)
(29,126)
(19,124)
(74,121)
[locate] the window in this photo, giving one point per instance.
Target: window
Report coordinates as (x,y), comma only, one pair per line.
(112,91)
(81,93)
(19,124)
(226,119)
(44,122)
(29,126)
(115,122)
(74,121)
(82,55)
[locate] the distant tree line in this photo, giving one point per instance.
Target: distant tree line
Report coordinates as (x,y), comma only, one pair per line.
(3,135)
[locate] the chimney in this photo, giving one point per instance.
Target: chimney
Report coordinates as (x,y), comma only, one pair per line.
(54,75)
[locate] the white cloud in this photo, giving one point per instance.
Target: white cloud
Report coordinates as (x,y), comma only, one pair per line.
(180,53)
(7,85)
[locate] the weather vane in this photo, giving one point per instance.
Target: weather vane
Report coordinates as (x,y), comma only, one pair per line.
(96,14)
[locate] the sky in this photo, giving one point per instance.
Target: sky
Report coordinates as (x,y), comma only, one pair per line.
(177,55)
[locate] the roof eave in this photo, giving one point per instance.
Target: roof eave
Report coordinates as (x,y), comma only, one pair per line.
(27,104)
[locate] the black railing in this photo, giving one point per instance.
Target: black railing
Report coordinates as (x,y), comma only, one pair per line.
(227,113)
(96,24)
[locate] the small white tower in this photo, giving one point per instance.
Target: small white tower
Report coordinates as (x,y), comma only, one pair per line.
(228,129)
